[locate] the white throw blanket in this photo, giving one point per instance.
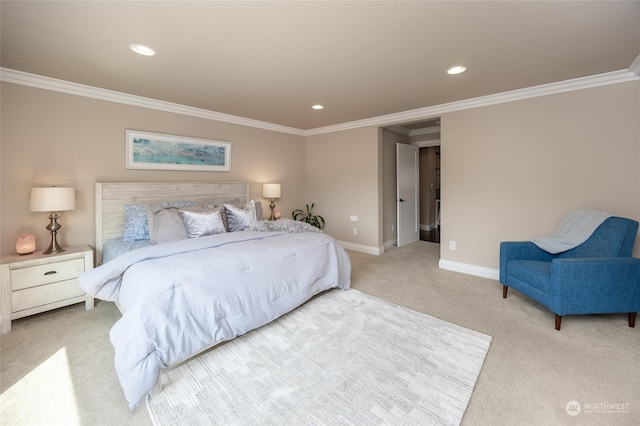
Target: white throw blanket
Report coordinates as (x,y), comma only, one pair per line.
(576,228)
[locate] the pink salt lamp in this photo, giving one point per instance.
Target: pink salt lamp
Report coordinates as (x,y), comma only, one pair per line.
(26,244)
(276,214)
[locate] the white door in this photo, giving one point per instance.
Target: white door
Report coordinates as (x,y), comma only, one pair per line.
(408,194)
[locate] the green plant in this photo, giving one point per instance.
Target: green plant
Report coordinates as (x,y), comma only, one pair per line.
(311,219)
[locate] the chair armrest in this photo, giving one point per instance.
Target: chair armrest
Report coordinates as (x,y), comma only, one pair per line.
(520,250)
(608,284)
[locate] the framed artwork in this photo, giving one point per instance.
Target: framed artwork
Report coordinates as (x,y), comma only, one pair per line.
(153,151)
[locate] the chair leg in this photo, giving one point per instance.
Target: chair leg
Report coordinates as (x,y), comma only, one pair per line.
(504,292)
(558,321)
(632,319)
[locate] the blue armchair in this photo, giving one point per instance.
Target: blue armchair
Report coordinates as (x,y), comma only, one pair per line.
(597,277)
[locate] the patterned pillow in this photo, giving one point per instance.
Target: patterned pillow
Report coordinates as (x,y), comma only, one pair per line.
(259,213)
(286,225)
(136,227)
(202,223)
(220,205)
(238,219)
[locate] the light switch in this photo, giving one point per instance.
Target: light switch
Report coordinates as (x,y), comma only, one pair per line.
(354,218)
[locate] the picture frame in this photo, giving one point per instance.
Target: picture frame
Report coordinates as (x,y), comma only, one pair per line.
(155,151)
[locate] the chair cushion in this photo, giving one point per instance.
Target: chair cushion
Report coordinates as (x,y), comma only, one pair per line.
(534,272)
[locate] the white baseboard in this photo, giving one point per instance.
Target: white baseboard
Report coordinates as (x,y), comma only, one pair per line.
(450,265)
(428,227)
(465,268)
(361,248)
(390,244)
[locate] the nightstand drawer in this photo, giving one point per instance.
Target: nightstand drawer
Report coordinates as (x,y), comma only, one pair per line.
(44,274)
(38,296)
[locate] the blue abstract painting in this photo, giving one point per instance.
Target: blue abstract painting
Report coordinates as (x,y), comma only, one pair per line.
(165,152)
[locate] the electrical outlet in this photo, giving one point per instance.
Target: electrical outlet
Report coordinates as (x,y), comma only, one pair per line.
(452,245)
(393,228)
(355,231)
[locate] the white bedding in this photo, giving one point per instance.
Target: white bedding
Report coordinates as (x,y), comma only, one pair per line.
(184,296)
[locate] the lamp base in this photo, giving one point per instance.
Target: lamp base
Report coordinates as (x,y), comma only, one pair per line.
(53,226)
(272,206)
(53,247)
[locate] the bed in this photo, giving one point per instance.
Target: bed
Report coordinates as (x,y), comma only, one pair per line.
(185,295)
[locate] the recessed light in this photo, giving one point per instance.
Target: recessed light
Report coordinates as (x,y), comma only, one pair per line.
(317,107)
(142,49)
(456,70)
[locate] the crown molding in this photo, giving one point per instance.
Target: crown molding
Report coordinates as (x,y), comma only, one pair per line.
(34,80)
(425,131)
(400,129)
(588,82)
(415,132)
(425,144)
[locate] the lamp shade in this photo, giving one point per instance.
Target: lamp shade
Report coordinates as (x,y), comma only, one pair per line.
(52,199)
(271,190)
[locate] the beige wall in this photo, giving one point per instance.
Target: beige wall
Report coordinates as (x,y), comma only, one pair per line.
(343,179)
(51,138)
(512,171)
(509,171)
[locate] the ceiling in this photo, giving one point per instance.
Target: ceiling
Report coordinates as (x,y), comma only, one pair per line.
(271,61)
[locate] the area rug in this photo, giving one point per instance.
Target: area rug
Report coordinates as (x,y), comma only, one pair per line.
(344,357)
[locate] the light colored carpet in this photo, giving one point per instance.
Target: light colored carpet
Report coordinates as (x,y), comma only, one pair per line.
(342,358)
(56,368)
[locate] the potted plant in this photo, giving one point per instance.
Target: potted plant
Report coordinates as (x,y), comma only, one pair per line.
(308,216)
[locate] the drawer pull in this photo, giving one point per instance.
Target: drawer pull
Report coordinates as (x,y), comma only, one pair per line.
(51,272)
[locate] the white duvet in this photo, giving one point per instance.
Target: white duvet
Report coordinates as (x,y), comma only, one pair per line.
(184,296)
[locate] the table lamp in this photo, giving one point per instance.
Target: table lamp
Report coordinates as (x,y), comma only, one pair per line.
(271,190)
(53,200)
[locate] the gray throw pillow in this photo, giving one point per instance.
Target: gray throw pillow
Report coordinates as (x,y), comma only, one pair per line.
(239,219)
(202,223)
(166,224)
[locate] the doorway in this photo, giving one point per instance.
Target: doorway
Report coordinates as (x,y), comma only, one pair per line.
(430,194)
(426,136)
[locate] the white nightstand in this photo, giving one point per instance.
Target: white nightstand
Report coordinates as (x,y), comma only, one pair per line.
(38,282)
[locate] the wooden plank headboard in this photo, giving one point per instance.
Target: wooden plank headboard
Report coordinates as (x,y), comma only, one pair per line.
(111,197)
